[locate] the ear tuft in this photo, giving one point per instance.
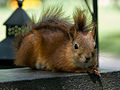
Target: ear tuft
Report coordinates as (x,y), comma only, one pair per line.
(79,19)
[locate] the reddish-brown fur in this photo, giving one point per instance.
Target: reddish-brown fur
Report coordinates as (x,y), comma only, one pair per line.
(50,43)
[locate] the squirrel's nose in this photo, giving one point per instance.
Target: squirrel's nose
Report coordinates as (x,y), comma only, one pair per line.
(87,59)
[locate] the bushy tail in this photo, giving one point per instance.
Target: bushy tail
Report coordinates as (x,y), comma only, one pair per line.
(20,36)
(49,16)
(25,32)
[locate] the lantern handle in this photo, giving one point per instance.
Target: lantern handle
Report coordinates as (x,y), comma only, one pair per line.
(20,3)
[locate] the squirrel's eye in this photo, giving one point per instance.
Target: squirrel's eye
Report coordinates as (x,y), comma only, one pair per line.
(76,46)
(92,54)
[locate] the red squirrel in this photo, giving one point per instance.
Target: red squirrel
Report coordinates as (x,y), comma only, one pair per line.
(56,44)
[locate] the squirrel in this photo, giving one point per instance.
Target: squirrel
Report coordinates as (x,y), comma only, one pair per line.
(56,44)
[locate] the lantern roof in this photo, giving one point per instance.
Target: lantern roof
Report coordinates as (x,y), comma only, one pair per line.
(19,18)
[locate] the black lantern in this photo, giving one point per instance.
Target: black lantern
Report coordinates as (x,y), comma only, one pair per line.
(14,25)
(18,20)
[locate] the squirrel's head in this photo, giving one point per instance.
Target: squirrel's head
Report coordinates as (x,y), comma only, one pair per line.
(82,38)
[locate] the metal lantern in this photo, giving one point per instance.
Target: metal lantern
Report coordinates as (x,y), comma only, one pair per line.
(18,20)
(14,25)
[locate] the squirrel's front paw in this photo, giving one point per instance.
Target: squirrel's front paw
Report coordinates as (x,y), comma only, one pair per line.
(93,71)
(96,71)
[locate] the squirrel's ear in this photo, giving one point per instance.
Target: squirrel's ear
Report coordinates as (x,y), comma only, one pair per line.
(93,32)
(79,19)
(72,33)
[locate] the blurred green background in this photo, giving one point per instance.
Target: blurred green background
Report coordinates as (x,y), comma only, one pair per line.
(108,22)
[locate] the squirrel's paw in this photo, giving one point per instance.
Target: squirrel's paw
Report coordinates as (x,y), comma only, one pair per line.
(97,72)
(94,71)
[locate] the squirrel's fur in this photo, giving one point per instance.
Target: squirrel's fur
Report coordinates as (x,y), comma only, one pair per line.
(50,43)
